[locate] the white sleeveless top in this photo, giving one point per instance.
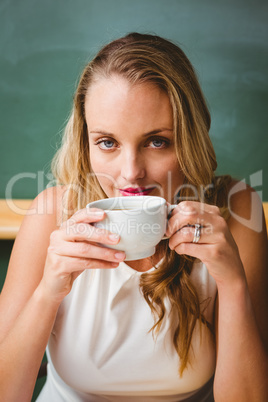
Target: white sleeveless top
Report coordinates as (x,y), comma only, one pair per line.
(100,348)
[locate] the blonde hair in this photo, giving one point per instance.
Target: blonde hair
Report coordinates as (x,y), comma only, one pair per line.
(141,58)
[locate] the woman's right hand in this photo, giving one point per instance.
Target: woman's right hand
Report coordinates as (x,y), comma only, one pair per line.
(74,247)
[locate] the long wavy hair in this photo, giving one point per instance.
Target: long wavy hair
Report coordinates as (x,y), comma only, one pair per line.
(142,58)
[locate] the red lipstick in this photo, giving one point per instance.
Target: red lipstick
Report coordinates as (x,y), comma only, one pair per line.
(136,191)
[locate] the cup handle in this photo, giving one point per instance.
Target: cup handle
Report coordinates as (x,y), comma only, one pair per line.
(170,209)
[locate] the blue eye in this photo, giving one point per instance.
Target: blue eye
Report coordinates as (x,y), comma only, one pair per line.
(105,144)
(157,143)
(108,144)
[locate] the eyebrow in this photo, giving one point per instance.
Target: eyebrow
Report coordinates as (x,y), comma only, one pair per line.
(153,132)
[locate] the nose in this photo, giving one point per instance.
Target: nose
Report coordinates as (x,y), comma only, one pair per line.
(132,166)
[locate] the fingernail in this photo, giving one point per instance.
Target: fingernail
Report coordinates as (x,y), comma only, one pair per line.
(120,256)
(114,237)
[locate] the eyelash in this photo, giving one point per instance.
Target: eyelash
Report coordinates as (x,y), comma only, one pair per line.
(101,141)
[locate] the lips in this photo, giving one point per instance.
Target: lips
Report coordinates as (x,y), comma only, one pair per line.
(136,191)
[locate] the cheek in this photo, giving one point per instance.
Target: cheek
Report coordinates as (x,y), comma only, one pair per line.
(170,167)
(106,173)
(96,161)
(174,176)
(102,169)
(93,159)
(107,183)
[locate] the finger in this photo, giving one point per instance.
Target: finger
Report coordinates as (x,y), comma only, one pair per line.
(186,235)
(194,250)
(87,251)
(213,232)
(75,264)
(100,264)
(86,232)
(85,215)
(180,222)
(190,209)
(192,216)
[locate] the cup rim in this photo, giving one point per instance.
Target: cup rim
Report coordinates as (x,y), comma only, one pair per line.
(127,199)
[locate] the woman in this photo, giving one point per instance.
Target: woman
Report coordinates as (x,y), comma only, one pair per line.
(180,326)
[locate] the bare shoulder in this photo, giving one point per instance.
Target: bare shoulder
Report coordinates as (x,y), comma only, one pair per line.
(248,227)
(42,217)
(48,203)
(29,252)
(247,220)
(246,206)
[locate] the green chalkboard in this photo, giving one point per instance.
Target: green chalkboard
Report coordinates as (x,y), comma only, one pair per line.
(45,44)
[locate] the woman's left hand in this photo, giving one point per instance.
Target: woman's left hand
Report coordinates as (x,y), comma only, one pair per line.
(216,247)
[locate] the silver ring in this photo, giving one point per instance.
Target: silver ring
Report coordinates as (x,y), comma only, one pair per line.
(197,233)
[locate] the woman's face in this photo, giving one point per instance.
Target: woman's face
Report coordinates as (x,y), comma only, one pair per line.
(131,139)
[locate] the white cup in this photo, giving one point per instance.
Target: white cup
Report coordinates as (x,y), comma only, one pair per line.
(140,221)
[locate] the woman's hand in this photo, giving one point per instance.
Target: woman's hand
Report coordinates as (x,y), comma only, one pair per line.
(77,245)
(216,247)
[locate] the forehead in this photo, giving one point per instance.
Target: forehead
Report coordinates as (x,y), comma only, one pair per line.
(115,98)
